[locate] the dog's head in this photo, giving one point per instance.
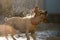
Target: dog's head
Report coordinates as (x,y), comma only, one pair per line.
(41,13)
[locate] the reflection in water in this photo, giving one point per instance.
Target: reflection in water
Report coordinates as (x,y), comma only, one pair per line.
(39,35)
(47,34)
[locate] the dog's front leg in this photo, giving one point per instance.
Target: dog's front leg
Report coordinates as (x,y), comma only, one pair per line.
(33,35)
(27,35)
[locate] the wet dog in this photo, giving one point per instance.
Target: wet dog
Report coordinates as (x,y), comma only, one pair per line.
(26,24)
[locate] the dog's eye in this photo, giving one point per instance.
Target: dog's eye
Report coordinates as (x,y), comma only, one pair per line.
(45,11)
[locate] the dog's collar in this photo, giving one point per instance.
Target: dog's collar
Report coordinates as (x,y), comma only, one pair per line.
(33,22)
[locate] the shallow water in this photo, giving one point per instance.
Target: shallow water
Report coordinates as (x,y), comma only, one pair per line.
(44,35)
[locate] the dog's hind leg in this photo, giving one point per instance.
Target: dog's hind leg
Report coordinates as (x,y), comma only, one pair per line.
(7,38)
(6,35)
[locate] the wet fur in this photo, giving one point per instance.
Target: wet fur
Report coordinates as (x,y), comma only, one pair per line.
(25,25)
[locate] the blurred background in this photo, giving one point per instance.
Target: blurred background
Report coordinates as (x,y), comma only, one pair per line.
(15,7)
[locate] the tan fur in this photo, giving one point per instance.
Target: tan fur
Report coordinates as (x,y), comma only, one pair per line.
(25,25)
